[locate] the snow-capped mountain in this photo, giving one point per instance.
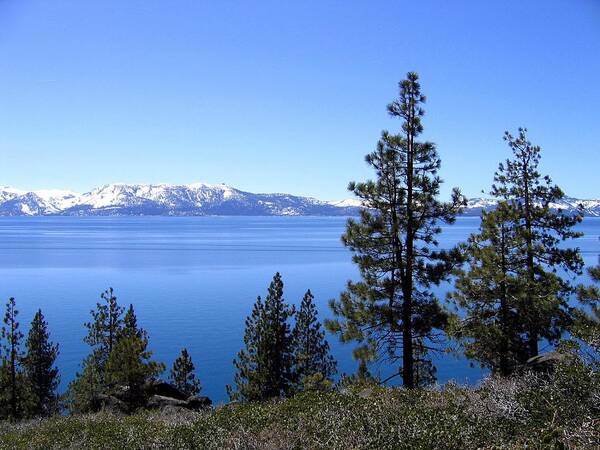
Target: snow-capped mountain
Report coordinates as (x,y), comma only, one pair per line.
(8,193)
(195,199)
(567,204)
(347,203)
(199,199)
(14,202)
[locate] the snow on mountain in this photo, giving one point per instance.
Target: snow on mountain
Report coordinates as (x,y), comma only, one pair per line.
(568,204)
(480,203)
(56,199)
(8,193)
(162,199)
(153,199)
(199,199)
(347,203)
(591,207)
(14,202)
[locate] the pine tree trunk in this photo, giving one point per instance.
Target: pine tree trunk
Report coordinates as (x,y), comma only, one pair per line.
(504,369)
(407,347)
(533,333)
(397,248)
(37,371)
(407,333)
(13,380)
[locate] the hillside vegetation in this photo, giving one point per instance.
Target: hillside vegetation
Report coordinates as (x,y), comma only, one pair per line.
(527,411)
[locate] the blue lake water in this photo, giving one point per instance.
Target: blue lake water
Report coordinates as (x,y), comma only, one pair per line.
(192,280)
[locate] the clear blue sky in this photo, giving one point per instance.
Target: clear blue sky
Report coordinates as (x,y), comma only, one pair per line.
(282,96)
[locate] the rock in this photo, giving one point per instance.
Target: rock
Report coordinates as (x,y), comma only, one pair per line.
(196,402)
(160,394)
(103,402)
(161,402)
(163,389)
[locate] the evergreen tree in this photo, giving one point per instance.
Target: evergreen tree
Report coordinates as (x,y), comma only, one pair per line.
(491,293)
(130,326)
(105,327)
(587,326)
(11,379)
(40,372)
(264,368)
(104,331)
(182,374)
(392,309)
(87,385)
(250,378)
(314,366)
(542,228)
(129,365)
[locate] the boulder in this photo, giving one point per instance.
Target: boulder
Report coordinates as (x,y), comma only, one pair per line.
(159,394)
(103,402)
(163,389)
(161,402)
(197,402)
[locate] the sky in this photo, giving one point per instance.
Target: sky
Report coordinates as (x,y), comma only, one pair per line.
(288,96)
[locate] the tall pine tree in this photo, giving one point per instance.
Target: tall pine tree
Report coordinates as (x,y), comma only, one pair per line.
(12,396)
(104,330)
(264,367)
(393,309)
(587,326)
(105,327)
(129,363)
(129,366)
(130,326)
(182,374)
(314,366)
(542,228)
(86,386)
(491,294)
(39,367)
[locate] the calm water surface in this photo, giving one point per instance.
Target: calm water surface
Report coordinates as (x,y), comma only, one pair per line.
(192,280)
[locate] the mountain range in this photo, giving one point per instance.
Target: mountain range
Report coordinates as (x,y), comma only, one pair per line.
(199,199)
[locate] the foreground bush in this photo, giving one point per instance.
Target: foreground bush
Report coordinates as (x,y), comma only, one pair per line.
(520,412)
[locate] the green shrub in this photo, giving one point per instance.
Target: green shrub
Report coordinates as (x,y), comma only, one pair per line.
(527,411)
